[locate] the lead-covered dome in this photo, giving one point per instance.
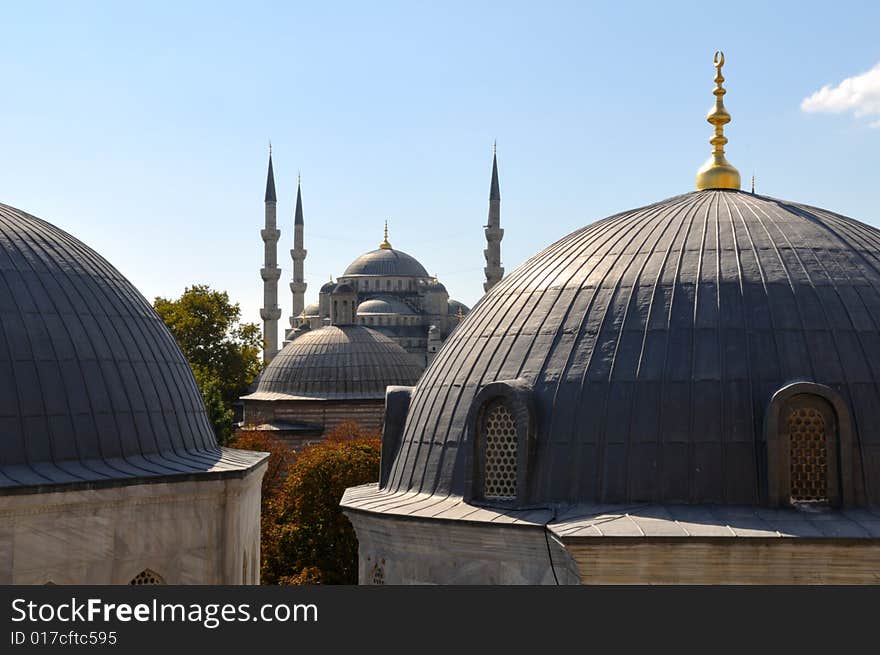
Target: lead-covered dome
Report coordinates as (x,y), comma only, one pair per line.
(93,387)
(386,261)
(646,348)
(336,362)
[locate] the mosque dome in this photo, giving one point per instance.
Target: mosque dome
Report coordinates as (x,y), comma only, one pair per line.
(646,351)
(386,261)
(327,287)
(94,386)
(455,306)
(312,310)
(384,305)
(336,362)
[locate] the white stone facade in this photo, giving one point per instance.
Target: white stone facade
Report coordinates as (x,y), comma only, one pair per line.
(187,532)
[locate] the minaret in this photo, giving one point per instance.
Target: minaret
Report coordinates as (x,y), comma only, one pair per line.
(270,313)
(494,233)
(298,254)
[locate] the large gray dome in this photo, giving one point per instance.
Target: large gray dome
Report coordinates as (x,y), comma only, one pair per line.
(336,362)
(651,343)
(386,262)
(94,387)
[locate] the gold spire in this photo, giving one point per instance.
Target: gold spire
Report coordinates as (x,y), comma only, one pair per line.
(385,245)
(717,173)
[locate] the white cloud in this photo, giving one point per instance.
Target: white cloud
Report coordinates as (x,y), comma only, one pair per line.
(859,94)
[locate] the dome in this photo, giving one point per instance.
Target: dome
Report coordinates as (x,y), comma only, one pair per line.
(386,262)
(312,310)
(336,362)
(327,287)
(95,388)
(455,305)
(343,288)
(384,305)
(650,345)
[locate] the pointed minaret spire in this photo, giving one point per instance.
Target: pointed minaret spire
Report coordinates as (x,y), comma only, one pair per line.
(270,180)
(298,255)
(270,313)
(494,233)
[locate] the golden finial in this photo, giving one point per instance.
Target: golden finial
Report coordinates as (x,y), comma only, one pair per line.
(495,147)
(299,178)
(717,173)
(270,147)
(753,184)
(385,245)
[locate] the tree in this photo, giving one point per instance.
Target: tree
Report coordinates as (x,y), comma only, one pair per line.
(306,537)
(224,354)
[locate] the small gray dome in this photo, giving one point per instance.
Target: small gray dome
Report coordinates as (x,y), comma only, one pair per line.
(384,305)
(337,362)
(312,310)
(327,287)
(386,262)
(93,387)
(455,305)
(343,288)
(651,344)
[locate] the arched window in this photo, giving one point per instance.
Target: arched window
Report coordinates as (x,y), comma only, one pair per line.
(499,452)
(812,445)
(501,429)
(388,284)
(147,577)
(809,448)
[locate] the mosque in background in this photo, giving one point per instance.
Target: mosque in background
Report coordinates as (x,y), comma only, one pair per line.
(687,392)
(377,326)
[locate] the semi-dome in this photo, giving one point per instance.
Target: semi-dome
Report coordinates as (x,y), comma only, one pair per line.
(386,261)
(95,388)
(384,305)
(336,362)
(646,349)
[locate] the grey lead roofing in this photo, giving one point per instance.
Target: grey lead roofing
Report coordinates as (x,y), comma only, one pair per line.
(386,262)
(653,340)
(336,362)
(93,388)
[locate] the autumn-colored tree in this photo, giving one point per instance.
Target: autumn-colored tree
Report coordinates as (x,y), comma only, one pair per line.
(223,353)
(307,539)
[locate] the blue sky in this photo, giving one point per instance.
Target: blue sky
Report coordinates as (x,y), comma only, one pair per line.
(143,129)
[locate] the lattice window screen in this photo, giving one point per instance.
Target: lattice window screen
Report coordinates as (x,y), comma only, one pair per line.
(499,479)
(377,574)
(147,577)
(809,456)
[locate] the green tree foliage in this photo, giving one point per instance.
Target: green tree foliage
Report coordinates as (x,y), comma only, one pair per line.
(223,353)
(306,539)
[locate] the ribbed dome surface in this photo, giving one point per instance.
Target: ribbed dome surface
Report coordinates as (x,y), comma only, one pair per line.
(654,340)
(92,385)
(337,362)
(386,262)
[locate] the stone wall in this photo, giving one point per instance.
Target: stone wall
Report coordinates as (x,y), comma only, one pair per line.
(402,550)
(188,532)
(324,414)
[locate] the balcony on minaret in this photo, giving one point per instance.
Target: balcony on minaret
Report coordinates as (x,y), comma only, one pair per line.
(271,314)
(494,233)
(298,287)
(270,235)
(298,253)
(270,273)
